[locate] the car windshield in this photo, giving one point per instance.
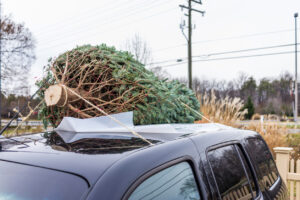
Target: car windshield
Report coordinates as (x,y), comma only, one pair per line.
(23,182)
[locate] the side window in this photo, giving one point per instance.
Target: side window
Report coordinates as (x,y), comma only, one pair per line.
(262,158)
(249,173)
(229,173)
(174,183)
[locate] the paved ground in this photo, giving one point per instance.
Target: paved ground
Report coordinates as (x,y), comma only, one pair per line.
(28,123)
(293,127)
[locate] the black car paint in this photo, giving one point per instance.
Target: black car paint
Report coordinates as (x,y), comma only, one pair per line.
(139,163)
(113,176)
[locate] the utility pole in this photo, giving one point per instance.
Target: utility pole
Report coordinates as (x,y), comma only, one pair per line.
(189,38)
(296,72)
(190,77)
(0,68)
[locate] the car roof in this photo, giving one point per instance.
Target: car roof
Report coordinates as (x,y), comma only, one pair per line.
(85,158)
(91,157)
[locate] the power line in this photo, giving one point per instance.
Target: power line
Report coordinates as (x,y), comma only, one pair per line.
(246,50)
(230,58)
(197,42)
(107,20)
(88,23)
(247,36)
(81,16)
(85,29)
(248,56)
(117,27)
(226,38)
(228,52)
(166,61)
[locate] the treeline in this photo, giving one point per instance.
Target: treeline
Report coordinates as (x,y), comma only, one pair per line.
(268,95)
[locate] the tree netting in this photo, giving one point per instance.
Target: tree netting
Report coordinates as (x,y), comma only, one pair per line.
(115,82)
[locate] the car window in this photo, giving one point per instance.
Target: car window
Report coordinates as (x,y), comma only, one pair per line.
(23,182)
(262,158)
(174,183)
(249,172)
(229,173)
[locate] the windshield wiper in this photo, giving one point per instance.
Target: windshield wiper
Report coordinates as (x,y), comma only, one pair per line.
(14,140)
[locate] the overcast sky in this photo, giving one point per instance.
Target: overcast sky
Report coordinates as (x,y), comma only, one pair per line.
(60,25)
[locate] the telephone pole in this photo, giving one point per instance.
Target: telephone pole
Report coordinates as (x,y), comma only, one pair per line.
(189,37)
(296,72)
(0,67)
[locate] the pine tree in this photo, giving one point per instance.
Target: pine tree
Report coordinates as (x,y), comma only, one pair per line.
(250,107)
(115,82)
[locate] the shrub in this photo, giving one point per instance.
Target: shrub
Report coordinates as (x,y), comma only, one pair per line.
(249,106)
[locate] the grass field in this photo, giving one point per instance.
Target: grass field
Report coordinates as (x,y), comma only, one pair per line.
(11,131)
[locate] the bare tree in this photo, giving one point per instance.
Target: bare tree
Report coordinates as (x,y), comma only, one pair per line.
(139,48)
(17,54)
(160,73)
(241,79)
(142,53)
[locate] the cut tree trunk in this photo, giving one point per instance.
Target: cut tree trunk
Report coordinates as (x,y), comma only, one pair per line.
(57,95)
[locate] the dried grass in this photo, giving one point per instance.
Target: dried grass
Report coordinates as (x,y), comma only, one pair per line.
(11,132)
(274,134)
(225,111)
(228,111)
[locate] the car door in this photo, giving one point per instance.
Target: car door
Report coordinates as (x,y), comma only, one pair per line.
(230,174)
(270,182)
(174,181)
(125,175)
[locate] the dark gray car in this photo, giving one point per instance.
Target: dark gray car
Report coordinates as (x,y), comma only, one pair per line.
(225,164)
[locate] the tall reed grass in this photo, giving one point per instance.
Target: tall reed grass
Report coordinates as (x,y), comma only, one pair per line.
(229,111)
(225,111)
(274,134)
